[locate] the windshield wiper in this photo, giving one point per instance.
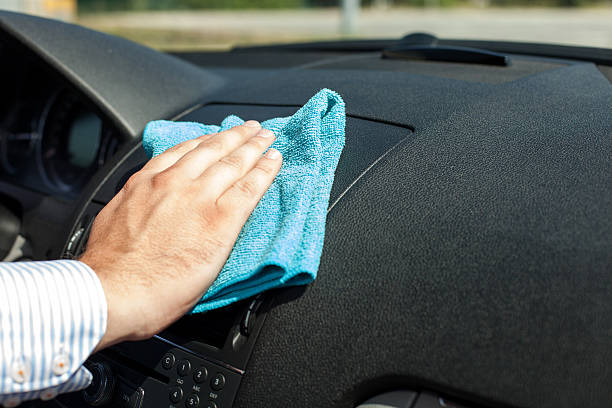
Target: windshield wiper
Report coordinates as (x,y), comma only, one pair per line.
(425,47)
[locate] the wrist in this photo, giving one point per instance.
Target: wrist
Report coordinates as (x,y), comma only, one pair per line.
(116,331)
(126,304)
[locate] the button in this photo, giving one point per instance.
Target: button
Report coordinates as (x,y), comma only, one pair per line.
(218,382)
(48,394)
(183,368)
(168,361)
(192,401)
(133,400)
(127,396)
(176,394)
(20,371)
(11,402)
(61,364)
(211,404)
(200,374)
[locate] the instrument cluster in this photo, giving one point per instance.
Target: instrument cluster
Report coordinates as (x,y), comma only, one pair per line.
(51,139)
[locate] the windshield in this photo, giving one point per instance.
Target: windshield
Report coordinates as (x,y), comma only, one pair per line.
(223,24)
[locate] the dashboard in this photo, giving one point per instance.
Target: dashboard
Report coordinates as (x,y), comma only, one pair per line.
(468,248)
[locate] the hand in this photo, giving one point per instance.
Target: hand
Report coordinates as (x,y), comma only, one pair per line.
(163,239)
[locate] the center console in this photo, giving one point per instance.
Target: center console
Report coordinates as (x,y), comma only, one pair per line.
(198,362)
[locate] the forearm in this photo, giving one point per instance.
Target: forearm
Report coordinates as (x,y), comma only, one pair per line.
(52,315)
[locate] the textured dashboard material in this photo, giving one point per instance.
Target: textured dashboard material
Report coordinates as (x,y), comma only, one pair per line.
(475,259)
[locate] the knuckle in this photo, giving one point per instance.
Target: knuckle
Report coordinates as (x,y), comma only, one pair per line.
(258,144)
(233,162)
(209,215)
(164,180)
(145,331)
(265,168)
(214,143)
(225,208)
(134,181)
(247,187)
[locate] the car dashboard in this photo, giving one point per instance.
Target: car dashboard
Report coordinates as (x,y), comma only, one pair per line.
(468,248)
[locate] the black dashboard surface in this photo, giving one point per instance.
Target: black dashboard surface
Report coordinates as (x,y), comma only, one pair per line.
(476,256)
(473,258)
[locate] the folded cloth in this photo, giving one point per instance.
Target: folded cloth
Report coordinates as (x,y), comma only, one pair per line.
(281,243)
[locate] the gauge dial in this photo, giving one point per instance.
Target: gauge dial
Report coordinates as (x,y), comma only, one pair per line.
(18,136)
(75,143)
(23,100)
(52,139)
(15,149)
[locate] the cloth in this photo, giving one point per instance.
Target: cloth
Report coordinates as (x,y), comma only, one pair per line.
(52,315)
(281,243)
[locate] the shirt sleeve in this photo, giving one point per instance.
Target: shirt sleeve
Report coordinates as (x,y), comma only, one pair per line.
(52,316)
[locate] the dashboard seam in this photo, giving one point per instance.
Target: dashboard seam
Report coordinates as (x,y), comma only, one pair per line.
(363,173)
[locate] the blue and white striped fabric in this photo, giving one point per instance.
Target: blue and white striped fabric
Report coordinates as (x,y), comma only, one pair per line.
(52,316)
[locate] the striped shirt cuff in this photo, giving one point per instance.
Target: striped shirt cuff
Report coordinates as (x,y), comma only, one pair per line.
(52,316)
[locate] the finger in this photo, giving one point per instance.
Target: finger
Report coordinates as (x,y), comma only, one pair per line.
(229,169)
(194,162)
(166,159)
(241,198)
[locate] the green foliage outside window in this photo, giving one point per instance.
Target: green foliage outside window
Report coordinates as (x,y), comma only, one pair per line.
(116,5)
(135,5)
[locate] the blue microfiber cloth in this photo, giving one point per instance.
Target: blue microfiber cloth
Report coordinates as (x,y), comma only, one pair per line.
(281,243)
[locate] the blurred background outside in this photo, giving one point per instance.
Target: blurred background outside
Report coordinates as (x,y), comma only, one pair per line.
(222,24)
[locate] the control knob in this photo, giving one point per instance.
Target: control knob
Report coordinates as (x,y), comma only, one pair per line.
(102,388)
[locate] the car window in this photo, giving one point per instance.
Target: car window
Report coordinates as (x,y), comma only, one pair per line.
(223,24)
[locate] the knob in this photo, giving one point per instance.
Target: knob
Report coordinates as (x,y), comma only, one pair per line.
(102,388)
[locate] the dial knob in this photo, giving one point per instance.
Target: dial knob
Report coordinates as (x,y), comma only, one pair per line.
(102,387)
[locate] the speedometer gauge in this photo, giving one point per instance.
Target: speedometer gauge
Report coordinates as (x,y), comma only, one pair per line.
(15,148)
(75,143)
(18,135)
(53,138)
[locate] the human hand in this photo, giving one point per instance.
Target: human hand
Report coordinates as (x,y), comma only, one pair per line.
(162,240)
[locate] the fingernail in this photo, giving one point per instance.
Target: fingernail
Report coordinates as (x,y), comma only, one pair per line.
(252,123)
(265,133)
(273,154)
